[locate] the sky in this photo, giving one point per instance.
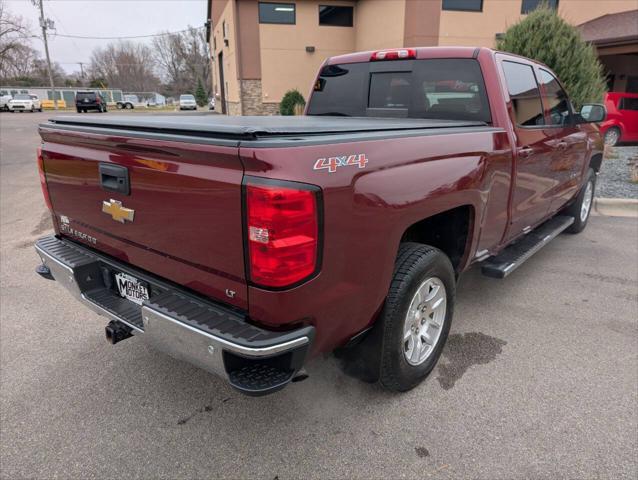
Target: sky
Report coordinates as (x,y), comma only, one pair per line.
(105,18)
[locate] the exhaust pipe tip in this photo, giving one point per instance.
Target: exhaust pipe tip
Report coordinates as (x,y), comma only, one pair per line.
(116,332)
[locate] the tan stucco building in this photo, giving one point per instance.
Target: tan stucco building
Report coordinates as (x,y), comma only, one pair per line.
(262,49)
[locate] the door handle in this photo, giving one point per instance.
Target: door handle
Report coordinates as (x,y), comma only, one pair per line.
(525,152)
(114,178)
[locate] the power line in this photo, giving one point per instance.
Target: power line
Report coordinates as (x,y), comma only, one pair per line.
(125,37)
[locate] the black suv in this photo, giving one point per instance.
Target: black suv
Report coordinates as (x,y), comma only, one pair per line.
(85,101)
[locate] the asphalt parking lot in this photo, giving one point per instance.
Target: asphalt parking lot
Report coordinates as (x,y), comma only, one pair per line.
(539,378)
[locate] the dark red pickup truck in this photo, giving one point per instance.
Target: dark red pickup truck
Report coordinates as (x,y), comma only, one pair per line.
(247,244)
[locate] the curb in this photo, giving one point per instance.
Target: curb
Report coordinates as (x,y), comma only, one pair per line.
(616,207)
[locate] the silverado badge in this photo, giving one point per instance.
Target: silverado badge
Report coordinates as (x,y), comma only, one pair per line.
(119,213)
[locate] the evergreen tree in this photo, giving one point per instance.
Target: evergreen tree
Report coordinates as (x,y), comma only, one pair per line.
(544,36)
(200,94)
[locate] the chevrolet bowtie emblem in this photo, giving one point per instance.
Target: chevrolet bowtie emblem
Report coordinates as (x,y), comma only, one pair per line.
(117,211)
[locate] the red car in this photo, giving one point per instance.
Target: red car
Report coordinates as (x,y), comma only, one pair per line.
(622,118)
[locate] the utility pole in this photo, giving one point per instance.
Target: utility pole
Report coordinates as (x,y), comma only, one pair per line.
(81,69)
(45,23)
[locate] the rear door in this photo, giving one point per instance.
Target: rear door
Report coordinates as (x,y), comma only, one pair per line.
(171,208)
(533,177)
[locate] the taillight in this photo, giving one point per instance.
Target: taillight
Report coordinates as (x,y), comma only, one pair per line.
(401,54)
(97,100)
(43,180)
(282,221)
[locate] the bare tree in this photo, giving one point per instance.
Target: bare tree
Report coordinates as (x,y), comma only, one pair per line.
(183,60)
(14,41)
(126,65)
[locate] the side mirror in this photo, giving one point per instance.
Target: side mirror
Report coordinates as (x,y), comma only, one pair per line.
(592,113)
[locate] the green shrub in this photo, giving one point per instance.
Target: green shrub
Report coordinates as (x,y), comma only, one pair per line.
(291,98)
(546,37)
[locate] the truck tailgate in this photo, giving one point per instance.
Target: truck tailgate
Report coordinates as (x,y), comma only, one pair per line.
(184,217)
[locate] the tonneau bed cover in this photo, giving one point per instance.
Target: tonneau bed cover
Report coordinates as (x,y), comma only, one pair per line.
(246,127)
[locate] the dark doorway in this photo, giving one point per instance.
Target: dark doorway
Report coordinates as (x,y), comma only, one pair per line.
(222,83)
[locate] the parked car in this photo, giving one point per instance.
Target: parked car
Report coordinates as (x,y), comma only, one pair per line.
(131,101)
(211,103)
(4,102)
(90,100)
(187,102)
(622,118)
(245,245)
(24,102)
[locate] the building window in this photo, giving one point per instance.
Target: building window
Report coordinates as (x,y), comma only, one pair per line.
(282,13)
(524,93)
(335,16)
(224,29)
(463,5)
(531,5)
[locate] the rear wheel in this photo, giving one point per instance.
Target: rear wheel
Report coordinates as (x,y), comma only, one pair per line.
(581,208)
(612,136)
(416,318)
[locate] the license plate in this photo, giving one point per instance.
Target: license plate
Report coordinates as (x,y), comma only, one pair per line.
(131,288)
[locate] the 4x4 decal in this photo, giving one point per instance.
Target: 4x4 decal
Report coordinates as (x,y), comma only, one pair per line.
(332,163)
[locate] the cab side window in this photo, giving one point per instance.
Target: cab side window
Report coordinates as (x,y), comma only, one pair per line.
(556,100)
(524,93)
(627,103)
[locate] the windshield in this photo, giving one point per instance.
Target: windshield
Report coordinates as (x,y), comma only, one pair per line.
(22,97)
(187,97)
(450,89)
(83,95)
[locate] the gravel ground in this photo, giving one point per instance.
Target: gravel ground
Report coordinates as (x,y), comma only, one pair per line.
(613,181)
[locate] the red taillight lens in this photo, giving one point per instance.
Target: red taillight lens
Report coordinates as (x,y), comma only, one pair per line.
(97,100)
(283,233)
(43,180)
(401,54)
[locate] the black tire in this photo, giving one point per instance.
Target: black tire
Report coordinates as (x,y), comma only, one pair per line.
(119,106)
(415,263)
(40,109)
(574,210)
(129,106)
(612,136)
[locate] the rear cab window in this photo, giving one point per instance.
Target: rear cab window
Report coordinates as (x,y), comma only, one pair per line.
(450,89)
(524,93)
(83,95)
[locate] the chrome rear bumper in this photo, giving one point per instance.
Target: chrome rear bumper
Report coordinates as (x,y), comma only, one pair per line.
(208,335)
